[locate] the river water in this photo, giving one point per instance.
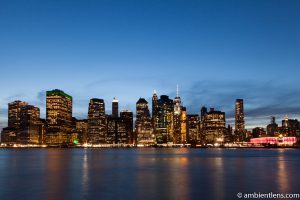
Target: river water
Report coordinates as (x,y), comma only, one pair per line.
(146,173)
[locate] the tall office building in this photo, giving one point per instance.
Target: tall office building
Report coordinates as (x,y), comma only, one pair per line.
(143,124)
(58,116)
(127,117)
(96,121)
(177,118)
(203,112)
(14,113)
(154,110)
(272,128)
(82,130)
(10,133)
(214,126)
(290,127)
(116,131)
(239,116)
(165,116)
(183,126)
(193,129)
(30,126)
(115,108)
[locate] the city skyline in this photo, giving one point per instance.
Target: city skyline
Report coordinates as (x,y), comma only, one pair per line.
(168,124)
(216,52)
(115,103)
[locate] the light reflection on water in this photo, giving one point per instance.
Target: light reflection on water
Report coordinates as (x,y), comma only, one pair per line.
(146,173)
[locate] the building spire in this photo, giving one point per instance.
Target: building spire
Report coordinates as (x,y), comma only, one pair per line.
(177,91)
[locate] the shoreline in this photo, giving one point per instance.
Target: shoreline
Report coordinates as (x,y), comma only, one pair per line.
(148,147)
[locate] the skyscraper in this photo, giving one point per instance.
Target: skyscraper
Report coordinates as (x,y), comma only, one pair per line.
(165,117)
(30,126)
(203,112)
(14,113)
(143,124)
(96,121)
(116,131)
(82,130)
(115,108)
(177,118)
(127,117)
(154,110)
(58,116)
(214,126)
(272,128)
(193,129)
(10,133)
(239,119)
(183,126)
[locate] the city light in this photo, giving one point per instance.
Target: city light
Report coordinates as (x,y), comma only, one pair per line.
(168,125)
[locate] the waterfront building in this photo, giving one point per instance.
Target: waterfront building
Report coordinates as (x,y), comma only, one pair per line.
(214,127)
(14,113)
(96,132)
(154,111)
(239,120)
(290,127)
(127,117)
(58,117)
(30,125)
(193,123)
(82,130)
(165,116)
(10,134)
(177,119)
(116,131)
(258,132)
(183,126)
(115,108)
(143,124)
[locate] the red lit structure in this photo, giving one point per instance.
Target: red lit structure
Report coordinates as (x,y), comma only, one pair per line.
(285,141)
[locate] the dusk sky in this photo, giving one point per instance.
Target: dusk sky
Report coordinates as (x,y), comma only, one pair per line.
(217,51)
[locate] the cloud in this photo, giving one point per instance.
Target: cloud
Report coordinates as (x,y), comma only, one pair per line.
(3,118)
(261,99)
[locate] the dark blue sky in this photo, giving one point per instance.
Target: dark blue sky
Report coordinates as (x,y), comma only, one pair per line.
(216,51)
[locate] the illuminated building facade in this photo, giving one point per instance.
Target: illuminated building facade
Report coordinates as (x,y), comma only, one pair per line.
(183,126)
(96,122)
(193,122)
(274,141)
(14,113)
(82,130)
(116,131)
(10,134)
(177,136)
(258,132)
(214,127)
(239,119)
(290,127)
(59,117)
(143,123)
(154,111)
(115,108)
(165,116)
(30,127)
(127,117)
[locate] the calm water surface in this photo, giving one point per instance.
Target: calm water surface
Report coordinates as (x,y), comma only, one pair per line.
(146,173)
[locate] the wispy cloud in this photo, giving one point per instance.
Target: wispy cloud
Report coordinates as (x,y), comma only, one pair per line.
(261,99)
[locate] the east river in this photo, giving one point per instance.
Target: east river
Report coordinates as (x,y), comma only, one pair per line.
(146,173)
